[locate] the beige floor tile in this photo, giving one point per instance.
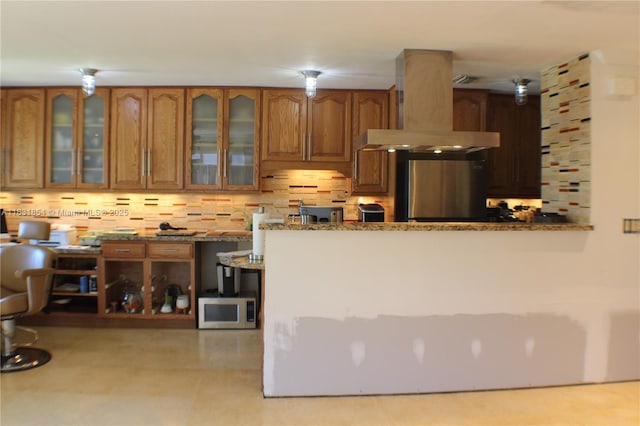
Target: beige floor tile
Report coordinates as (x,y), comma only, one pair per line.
(116,377)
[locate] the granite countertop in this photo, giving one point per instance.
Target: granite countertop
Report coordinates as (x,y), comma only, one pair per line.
(77,250)
(241,262)
(428,226)
(202,236)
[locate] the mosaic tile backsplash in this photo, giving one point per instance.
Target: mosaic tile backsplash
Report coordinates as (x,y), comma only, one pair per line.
(566,139)
(97,211)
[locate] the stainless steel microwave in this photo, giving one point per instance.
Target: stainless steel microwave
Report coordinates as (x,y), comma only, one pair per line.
(228,312)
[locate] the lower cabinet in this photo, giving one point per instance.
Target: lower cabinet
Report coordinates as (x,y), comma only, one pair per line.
(151,280)
(75,284)
(156,281)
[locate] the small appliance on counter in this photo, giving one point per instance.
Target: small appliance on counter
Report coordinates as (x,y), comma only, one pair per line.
(61,235)
(370,213)
(323,214)
(228,281)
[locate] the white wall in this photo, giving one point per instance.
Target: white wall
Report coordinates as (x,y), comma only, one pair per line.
(396,312)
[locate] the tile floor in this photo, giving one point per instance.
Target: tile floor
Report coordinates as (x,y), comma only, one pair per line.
(212,377)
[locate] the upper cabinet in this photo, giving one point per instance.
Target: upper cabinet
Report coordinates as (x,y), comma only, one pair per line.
(284,125)
(469,110)
(370,168)
(329,126)
(514,167)
(222,139)
(241,139)
(314,133)
(77,131)
(23,121)
(147,138)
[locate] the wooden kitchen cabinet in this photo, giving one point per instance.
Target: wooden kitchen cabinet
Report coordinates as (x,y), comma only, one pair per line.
(284,125)
(313,133)
(23,138)
(370,168)
(137,274)
(77,131)
(222,139)
(469,110)
(514,167)
(67,295)
(147,138)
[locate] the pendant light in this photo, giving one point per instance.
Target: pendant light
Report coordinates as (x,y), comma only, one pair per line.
(521,90)
(311,78)
(88,80)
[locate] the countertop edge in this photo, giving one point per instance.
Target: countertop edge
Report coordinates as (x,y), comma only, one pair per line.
(428,226)
(172,238)
(241,262)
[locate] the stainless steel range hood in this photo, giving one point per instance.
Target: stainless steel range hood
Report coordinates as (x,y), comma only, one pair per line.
(425,116)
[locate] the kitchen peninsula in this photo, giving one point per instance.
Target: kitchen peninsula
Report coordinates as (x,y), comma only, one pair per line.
(400,308)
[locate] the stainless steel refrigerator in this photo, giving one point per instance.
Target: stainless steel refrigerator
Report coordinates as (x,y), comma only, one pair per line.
(440,190)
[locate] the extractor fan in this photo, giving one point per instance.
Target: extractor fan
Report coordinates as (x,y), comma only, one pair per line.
(496,85)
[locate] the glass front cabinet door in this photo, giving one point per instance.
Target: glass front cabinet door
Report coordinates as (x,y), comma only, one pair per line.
(76,139)
(204,135)
(222,149)
(241,142)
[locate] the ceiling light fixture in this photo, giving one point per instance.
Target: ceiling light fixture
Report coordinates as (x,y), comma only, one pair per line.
(88,80)
(311,77)
(521,90)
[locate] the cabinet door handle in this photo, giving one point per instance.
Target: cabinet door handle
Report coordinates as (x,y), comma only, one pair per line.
(73,162)
(303,142)
(219,165)
(79,161)
(149,162)
(309,146)
(355,167)
(122,250)
(226,161)
(143,161)
(170,250)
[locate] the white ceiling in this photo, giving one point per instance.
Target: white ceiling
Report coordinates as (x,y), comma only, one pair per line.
(267,43)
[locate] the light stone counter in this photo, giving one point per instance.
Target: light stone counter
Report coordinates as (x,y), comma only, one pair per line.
(207,236)
(428,226)
(241,262)
(77,250)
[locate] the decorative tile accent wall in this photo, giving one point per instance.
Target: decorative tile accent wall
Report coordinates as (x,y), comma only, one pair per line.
(197,211)
(566,139)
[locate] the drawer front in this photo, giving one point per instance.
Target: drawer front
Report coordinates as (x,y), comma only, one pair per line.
(128,250)
(171,250)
